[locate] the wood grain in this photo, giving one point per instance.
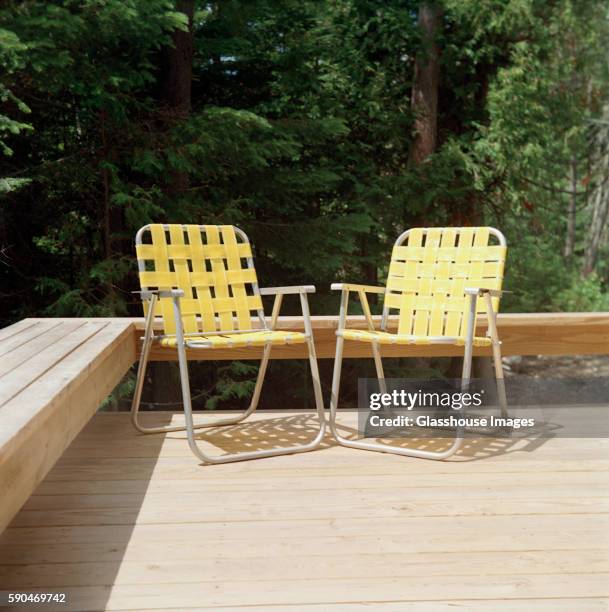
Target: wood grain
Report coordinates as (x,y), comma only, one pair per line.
(47,399)
(505,527)
(572,333)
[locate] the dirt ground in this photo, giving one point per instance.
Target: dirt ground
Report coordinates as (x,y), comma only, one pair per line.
(567,366)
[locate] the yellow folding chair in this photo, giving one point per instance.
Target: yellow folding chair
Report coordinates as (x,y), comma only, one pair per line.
(201,280)
(435,278)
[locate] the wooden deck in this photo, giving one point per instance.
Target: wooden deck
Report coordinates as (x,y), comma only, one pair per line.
(131,522)
(54,373)
(124,521)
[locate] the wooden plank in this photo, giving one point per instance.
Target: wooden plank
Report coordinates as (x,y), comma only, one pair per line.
(521,333)
(186,469)
(42,342)
(17,328)
(157,510)
(42,419)
(437,533)
(66,339)
(392,534)
(157,506)
(328,565)
(120,544)
(587,604)
(23,337)
(346,590)
(573,333)
(143,448)
(446,493)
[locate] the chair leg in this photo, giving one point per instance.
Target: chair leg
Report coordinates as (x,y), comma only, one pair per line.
(492,326)
(139,381)
(375,446)
(466,373)
(220,422)
(319,401)
(186,397)
(338,363)
(499,378)
(245,456)
(378,364)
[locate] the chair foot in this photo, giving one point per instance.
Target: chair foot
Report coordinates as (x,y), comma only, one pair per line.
(135,407)
(170,428)
(404,451)
(190,426)
(375,446)
(250,455)
(275,452)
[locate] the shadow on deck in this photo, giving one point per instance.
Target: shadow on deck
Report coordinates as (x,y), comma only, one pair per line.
(125,521)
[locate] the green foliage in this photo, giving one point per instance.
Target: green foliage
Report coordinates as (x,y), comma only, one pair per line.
(12,51)
(8,184)
(582,295)
(234,382)
(300,132)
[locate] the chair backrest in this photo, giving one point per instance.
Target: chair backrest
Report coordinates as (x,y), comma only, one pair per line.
(429,270)
(212,264)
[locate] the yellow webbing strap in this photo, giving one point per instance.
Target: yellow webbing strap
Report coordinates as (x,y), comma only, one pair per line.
(428,275)
(210,266)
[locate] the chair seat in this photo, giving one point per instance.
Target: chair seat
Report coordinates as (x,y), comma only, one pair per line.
(228,340)
(361,335)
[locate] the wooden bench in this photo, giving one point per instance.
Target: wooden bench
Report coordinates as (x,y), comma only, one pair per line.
(54,374)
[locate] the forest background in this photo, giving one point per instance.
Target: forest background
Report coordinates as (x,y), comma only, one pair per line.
(322,128)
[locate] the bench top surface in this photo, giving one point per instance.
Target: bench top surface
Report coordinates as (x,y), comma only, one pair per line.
(40,358)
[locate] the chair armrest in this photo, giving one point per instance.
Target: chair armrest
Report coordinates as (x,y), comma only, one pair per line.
(146,294)
(361,290)
(287,290)
(479,291)
(300,290)
(353,287)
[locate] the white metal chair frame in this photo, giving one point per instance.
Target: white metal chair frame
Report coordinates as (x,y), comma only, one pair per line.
(152,295)
(473,293)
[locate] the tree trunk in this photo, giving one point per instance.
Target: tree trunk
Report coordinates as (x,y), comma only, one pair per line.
(424,101)
(600,202)
(178,76)
(107,230)
(177,85)
(571,212)
(600,211)
(177,89)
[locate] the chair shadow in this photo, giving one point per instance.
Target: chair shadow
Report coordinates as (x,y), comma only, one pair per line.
(291,430)
(262,434)
(74,533)
(475,447)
